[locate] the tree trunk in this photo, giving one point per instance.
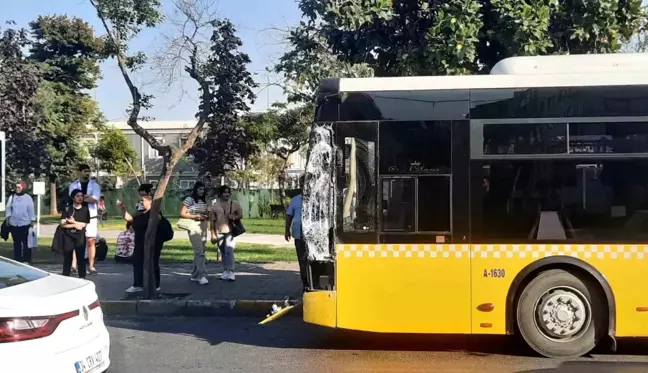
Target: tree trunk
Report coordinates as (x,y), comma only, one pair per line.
(282,183)
(154,220)
(53,198)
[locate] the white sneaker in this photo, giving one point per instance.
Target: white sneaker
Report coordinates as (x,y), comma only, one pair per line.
(134,289)
(231,276)
(224,276)
(203,281)
(194,279)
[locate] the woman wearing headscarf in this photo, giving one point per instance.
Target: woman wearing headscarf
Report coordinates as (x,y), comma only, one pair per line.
(140,224)
(20,217)
(74,221)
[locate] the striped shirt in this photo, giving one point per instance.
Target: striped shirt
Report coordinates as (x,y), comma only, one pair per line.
(195,207)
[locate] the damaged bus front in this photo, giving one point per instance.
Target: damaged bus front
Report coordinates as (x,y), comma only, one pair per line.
(319,210)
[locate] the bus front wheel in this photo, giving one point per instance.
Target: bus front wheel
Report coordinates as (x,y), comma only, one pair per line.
(561,315)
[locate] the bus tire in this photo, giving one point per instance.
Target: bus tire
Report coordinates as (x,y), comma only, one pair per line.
(561,315)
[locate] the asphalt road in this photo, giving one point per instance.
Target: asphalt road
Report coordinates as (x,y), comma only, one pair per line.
(287,345)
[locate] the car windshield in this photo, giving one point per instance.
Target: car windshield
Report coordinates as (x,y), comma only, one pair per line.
(12,273)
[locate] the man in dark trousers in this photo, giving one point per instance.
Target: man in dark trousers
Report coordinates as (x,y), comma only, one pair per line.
(293,229)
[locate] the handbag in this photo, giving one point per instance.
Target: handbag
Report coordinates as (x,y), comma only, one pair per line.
(185,224)
(236,226)
(165,230)
(32,240)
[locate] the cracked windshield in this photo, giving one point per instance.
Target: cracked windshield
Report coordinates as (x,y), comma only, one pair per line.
(323,186)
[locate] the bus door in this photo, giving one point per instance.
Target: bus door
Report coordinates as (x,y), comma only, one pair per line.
(428,266)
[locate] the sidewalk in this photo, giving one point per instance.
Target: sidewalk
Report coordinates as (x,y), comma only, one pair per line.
(256,288)
(47,230)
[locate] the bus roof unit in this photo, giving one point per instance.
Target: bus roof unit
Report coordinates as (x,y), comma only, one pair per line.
(623,69)
(611,63)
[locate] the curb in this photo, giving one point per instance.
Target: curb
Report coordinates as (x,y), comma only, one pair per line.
(193,308)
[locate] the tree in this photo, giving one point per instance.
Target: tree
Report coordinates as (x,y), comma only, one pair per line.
(224,142)
(19,82)
(216,65)
(258,168)
(288,136)
(424,37)
(114,153)
(223,147)
(68,55)
(639,42)
(309,61)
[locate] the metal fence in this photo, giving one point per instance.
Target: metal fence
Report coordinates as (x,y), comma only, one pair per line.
(256,203)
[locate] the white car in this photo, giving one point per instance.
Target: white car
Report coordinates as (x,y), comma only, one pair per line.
(50,323)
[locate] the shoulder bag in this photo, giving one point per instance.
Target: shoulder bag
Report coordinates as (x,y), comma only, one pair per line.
(165,230)
(185,224)
(236,225)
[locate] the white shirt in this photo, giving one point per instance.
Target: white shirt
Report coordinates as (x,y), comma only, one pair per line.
(94,190)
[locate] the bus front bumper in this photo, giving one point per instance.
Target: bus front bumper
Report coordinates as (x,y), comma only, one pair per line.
(320,308)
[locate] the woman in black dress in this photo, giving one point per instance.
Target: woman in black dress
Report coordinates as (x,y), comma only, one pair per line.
(73,222)
(140,224)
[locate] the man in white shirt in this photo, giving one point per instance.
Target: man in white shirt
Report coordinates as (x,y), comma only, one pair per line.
(92,192)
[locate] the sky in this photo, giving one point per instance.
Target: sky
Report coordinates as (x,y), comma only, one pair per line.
(257,22)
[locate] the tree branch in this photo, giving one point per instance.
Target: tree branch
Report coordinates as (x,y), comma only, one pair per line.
(136,97)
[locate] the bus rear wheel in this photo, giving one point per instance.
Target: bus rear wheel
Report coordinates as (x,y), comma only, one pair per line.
(561,315)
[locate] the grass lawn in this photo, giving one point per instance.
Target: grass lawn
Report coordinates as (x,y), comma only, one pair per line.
(174,251)
(262,226)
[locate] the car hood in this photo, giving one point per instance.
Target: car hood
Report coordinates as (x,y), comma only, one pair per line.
(51,295)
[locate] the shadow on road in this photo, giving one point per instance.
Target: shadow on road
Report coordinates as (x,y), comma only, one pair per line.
(292,333)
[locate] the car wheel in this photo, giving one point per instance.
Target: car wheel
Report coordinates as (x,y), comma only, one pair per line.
(561,315)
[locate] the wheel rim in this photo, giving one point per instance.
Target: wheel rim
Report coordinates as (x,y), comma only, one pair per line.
(562,314)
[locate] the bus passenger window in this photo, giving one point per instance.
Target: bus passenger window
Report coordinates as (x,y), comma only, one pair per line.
(398,198)
(608,137)
(525,138)
(593,200)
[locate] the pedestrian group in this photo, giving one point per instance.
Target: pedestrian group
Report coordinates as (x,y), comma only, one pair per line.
(202,217)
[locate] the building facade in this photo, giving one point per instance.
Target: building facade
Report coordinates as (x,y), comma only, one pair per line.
(175,133)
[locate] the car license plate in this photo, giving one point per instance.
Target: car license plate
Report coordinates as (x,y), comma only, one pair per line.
(90,362)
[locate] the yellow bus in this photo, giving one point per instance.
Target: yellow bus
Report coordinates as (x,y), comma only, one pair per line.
(508,203)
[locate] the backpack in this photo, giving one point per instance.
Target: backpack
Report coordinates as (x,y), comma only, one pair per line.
(102,250)
(165,231)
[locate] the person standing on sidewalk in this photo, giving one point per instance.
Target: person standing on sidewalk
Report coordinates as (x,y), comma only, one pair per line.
(195,209)
(92,193)
(143,190)
(140,224)
(223,213)
(20,217)
(74,221)
(294,230)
